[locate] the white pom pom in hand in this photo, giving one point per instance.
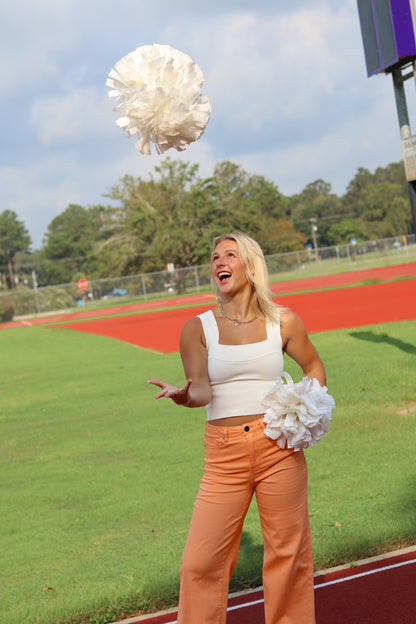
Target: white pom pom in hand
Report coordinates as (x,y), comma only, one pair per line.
(159,95)
(297,414)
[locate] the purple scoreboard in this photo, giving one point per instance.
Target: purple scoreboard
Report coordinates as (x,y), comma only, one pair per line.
(388,30)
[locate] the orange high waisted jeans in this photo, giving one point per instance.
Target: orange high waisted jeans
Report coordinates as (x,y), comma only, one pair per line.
(239,461)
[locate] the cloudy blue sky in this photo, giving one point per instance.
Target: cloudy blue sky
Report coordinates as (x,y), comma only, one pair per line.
(287,82)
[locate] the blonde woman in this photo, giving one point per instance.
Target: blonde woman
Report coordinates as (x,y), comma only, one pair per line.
(232,356)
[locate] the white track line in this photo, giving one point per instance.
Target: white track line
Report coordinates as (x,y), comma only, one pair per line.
(246,604)
(341,580)
(361,574)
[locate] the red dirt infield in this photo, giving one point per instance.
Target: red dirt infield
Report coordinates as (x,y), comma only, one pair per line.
(311,283)
(320,311)
(158,328)
(342,279)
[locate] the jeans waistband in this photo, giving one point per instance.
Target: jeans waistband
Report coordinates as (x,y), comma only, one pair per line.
(235,430)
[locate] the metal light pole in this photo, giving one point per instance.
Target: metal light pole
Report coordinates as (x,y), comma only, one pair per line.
(314,229)
(388,29)
(408,142)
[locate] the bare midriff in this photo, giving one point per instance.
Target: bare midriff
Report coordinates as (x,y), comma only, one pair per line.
(234,421)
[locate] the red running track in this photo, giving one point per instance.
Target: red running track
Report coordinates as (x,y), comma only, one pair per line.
(376,591)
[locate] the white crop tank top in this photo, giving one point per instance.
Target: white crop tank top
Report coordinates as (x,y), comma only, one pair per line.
(240,375)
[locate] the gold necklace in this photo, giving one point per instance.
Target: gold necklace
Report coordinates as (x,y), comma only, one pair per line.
(236,323)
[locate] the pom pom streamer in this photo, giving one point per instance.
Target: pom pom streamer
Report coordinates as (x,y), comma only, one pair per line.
(159,97)
(297,414)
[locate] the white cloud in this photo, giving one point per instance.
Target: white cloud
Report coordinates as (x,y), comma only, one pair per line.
(83,113)
(336,154)
(33,198)
(267,72)
(39,191)
(34,36)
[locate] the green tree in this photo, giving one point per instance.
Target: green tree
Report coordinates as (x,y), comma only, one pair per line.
(379,202)
(164,220)
(14,237)
(392,174)
(173,217)
(281,237)
(362,179)
(130,227)
(316,206)
(342,232)
(245,202)
(69,243)
(383,212)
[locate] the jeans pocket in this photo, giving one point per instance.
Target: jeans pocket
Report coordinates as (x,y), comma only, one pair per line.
(215,441)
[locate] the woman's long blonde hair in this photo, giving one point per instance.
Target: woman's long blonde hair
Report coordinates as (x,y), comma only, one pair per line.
(255,269)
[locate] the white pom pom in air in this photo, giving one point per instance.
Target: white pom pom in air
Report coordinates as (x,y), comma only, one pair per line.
(159,97)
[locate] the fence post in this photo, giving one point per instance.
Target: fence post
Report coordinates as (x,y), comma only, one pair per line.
(299,264)
(143,287)
(349,257)
(35,288)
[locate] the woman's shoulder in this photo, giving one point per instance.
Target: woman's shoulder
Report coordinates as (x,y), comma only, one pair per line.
(192,324)
(290,321)
(288,316)
(192,334)
(197,324)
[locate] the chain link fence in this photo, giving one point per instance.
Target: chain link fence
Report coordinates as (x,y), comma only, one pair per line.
(29,300)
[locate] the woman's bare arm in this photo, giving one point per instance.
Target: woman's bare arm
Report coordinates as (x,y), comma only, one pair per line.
(297,345)
(197,390)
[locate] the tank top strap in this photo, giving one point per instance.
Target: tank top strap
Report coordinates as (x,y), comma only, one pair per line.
(210,327)
(273,331)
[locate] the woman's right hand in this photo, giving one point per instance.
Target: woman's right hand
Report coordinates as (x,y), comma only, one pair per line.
(180,396)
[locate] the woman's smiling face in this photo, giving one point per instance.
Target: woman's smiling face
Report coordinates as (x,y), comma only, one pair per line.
(226,267)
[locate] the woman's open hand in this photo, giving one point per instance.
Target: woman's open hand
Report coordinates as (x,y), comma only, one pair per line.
(180,396)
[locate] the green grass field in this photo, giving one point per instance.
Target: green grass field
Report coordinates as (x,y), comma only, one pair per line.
(98,479)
